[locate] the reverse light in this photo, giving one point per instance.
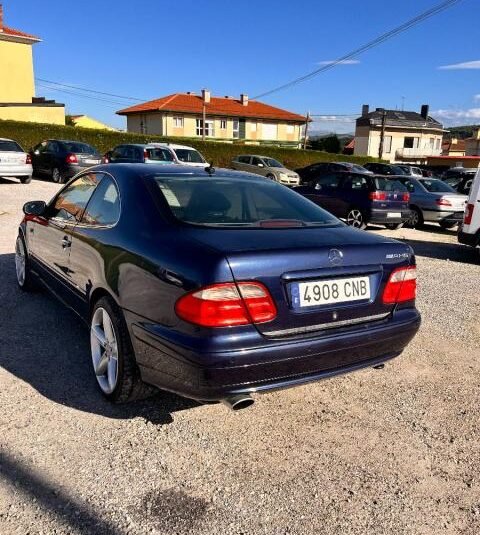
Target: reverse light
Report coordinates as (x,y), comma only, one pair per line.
(378,196)
(227,304)
(71,158)
(401,286)
(467,218)
(443,202)
(145,154)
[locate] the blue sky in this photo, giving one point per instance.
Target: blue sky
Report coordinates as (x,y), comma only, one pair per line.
(148,49)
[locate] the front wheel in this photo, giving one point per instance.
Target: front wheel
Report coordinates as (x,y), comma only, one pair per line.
(356,219)
(394,226)
(113,357)
(22,268)
(271,177)
(25,179)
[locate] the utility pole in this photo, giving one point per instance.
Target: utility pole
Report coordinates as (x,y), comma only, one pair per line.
(306,131)
(382,134)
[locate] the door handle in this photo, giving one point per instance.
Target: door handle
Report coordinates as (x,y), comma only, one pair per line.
(66,242)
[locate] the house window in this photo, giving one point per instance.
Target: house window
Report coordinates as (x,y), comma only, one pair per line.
(410,143)
(209,128)
(253,126)
(387,144)
(223,124)
(437,144)
(178,122)
(236,128)
(290,129)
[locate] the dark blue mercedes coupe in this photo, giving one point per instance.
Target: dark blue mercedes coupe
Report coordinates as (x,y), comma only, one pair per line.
(215,284)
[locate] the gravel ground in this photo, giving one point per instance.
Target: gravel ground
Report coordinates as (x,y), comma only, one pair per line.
(392,451)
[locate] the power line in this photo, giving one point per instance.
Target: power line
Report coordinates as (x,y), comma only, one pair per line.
(88,90)
(89,97)
(367,46)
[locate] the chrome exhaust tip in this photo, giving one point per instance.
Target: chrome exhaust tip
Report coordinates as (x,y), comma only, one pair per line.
(239,402)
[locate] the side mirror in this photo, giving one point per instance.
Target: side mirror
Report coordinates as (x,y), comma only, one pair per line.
(260,165)
(318,186)
(36,152)
(34,208)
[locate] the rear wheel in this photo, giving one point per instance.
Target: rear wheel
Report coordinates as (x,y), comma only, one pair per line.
(24,276)
(113,357)
(416,218)
(57,176)
(394,226)
(447,226)
(355,218)
(25,179)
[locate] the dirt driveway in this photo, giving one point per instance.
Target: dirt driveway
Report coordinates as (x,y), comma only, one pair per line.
(392,451)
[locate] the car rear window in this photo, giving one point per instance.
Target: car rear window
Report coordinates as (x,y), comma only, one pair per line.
(9,146)
(240,202)
(385,184)
(80,148)
(189,155)
(160,155)
(436,186)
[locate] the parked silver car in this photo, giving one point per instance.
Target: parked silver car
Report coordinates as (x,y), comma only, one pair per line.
(267,167)
(14,161)
(433,200)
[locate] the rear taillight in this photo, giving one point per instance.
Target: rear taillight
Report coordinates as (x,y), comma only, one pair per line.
(401,286)
(145,154)
(406,197)
(71,158)
(443,202)
(227,304)
(29,159)
(378,196)
(467,218)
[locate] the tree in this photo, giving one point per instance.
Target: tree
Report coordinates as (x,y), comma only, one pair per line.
(331,144)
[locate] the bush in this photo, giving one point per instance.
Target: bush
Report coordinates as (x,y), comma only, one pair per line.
(221,154)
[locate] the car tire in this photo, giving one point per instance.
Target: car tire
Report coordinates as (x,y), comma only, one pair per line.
(57,176)
(447,226)
(355,218)
(416,219)
(113,357)
(25,278)
(394,226)
(271,177)
(25,179)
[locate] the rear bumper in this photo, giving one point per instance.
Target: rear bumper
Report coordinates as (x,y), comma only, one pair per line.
(275,364)
(16,170)
(438,216)
(381,217)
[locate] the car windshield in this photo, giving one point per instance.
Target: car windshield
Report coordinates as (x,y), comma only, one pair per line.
(241,202)
(270,162)
(189,155)
(9,146)
(80,148)
(436,186)
(396,170)
(359,168)
(385,184)
(160,155)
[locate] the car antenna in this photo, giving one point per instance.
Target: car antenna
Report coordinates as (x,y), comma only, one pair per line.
(210,169)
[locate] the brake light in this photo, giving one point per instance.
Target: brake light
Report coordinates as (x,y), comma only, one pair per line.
(443,202)
(406,197)
(145,154)
(29,159)
(227,304)
(401,286)
(467,218)
(71,158)
(378,196)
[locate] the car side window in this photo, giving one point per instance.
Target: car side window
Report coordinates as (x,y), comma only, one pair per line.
(356,183)
(117,153)
(328,182)
(244,159)
(256,161)
(70,203)
(103,207)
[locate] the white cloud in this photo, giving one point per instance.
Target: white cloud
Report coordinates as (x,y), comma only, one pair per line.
(343,62)
(476,97)
(471,113)
(334,119)
(465,65)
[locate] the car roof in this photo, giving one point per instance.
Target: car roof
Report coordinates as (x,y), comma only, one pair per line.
(172,146)
(256,156)
(6,139)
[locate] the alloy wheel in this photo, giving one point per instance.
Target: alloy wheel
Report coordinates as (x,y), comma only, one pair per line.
(104,348)
(20,261)
(56,176)
(355,218)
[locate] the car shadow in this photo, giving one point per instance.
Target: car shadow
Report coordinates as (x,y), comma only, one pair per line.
(453,252)
(44,344)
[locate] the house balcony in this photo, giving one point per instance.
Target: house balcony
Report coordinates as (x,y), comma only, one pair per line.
(417,153)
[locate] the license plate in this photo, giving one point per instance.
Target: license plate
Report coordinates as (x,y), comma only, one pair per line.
(327,292)
(394,214)
(92,161)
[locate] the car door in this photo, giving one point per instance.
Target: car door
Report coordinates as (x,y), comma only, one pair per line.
(89,244)
(38,155)
(258,166)
(323,191)
(50,236)
(353,192)
(242,163)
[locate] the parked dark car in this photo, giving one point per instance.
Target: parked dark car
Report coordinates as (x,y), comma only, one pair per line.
(460,179)
(61,159)
(385,169)
(360,199)
(215,285)
(316,170)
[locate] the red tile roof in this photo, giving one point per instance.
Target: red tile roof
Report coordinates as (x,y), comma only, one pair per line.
(17,33)
(183,102)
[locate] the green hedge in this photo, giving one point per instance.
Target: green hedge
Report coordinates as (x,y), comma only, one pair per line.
(29,134)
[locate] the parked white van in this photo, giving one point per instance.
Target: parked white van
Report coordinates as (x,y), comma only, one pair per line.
(469,233)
